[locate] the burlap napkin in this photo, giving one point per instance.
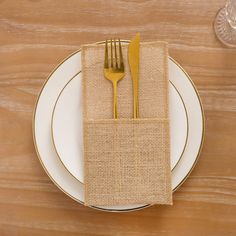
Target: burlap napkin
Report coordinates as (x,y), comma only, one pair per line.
(127,161)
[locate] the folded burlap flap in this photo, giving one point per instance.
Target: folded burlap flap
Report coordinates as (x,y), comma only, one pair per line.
(127,161)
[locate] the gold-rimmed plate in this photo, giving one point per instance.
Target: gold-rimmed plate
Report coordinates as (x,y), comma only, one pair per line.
(42,132)
(67,130)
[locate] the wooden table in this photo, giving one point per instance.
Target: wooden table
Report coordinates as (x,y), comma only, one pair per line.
(35,36)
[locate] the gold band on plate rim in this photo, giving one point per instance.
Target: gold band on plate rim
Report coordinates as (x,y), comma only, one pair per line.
(53,139)
(68,194)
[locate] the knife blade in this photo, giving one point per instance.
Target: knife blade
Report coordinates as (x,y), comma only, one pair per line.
(133,57)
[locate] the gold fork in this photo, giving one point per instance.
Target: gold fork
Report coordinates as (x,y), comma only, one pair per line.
(114,69)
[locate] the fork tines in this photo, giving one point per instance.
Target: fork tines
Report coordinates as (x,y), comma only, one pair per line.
(116,62)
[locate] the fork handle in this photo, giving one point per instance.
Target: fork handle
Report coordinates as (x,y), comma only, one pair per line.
(115,113)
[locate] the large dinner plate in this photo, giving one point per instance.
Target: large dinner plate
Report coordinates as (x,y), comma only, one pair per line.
(69,70)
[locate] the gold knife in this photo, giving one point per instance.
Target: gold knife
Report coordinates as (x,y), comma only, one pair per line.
(133,55)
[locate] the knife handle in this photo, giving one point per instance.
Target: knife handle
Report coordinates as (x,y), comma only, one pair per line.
(135,102)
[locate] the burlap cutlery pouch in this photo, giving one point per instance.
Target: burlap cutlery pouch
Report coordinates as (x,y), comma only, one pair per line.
(126,161)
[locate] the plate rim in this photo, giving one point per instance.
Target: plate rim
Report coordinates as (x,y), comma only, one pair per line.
(68,194)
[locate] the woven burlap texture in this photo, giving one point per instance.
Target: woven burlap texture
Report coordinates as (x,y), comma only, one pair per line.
(127,161)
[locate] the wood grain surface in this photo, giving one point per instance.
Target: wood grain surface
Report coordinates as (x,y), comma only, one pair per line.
(35,36)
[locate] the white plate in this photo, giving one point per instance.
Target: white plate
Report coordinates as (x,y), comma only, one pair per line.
(70,68)
(67,128)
